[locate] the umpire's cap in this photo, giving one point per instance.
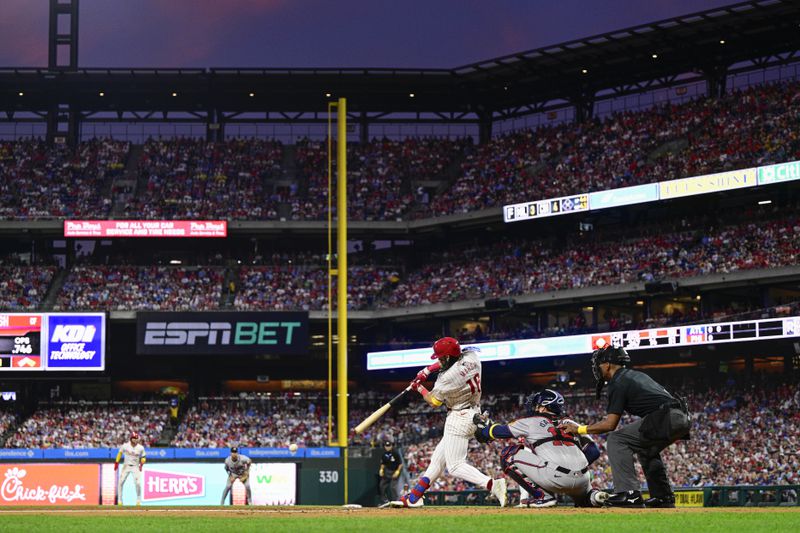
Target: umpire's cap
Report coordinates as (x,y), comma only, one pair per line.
(234,449)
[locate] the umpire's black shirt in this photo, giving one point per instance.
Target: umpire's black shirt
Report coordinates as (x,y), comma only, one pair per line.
(635,392)
(390,461)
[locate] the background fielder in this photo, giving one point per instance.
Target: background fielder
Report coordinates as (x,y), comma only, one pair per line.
(458,387)
(133,456)
(549,462)
(238,467)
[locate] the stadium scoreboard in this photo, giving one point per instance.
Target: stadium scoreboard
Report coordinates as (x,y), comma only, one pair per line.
(52,341)
(644,339)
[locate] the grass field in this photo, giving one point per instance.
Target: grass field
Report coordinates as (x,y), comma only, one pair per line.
(434,520)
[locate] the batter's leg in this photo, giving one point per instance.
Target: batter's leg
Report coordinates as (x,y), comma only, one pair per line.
(455,453)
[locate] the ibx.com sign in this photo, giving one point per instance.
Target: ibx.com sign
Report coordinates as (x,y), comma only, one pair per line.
(214,333)
(76,341)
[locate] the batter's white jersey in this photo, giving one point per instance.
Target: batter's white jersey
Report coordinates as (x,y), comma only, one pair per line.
(131,455)
(459,387)
(561,451)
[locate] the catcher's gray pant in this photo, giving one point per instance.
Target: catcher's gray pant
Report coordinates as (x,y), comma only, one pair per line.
(623,443)
(229,485)
(547,478)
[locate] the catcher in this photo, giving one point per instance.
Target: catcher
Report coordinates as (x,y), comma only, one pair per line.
(238,467)
(549,462)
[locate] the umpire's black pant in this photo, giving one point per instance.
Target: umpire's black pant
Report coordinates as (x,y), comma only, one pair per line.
(627,441)
(387,488)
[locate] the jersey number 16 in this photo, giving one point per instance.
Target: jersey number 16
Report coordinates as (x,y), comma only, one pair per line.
(474,383)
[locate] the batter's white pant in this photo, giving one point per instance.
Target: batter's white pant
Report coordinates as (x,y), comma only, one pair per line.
(451,452)
(124,472)
(548,478)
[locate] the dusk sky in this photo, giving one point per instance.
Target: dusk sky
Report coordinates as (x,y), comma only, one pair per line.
(318,33)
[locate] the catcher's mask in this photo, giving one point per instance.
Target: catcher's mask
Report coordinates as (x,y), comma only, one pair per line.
(447,350)
(616,355)
(549,399)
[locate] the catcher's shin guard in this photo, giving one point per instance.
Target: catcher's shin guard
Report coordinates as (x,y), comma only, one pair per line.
(510,469)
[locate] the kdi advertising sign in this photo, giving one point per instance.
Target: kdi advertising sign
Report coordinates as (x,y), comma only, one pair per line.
(76,341)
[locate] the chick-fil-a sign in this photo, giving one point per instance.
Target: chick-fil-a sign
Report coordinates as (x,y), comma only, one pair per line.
(49,484)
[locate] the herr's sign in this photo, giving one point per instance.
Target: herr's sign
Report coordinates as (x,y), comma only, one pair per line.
(222,333)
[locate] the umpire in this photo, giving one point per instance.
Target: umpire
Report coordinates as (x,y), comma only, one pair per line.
(664,419)
(391,466)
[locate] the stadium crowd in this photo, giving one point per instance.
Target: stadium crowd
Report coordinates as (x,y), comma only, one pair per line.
(189,178)
(39,181)
(141,287)
(89,425)
(273,422)
(195,179)
(22,288)
(380,175)
(513,267)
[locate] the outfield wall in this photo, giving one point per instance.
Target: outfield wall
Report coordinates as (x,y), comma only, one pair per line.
(186,477)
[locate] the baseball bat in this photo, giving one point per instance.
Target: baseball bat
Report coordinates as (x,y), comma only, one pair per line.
(371,419)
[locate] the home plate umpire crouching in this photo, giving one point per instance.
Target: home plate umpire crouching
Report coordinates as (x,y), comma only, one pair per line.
(664,419)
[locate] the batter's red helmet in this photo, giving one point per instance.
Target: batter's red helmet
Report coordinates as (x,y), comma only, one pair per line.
(134,435)
(446,347)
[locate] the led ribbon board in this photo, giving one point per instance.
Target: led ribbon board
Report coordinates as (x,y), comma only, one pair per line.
(645,339)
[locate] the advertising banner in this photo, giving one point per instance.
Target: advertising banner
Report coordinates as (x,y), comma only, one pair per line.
(49,484)
(626,196)
(222,333)
(722,181)
(270,483)
(145,228)
(20,341)
(665,337)
(24,454)
(203,484)
(76,341)
(82,453)
(779,173)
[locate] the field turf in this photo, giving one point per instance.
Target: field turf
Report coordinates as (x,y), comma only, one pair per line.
(437,520)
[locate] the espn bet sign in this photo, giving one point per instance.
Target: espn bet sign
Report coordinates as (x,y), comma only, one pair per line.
(222,333)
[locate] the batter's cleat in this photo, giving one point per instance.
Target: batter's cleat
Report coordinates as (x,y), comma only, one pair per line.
(665,502)
(630,498)
(598,497)
(404,502)
(544,502)
(499,491)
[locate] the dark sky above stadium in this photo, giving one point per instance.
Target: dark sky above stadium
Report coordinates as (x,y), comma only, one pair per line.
(319,33)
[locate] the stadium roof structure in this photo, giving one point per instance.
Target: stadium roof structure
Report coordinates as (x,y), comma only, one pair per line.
(707,45)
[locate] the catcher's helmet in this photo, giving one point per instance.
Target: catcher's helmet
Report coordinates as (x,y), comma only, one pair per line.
(447,350)
(549,399)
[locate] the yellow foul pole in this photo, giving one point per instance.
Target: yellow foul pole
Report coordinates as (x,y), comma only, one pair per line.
(341,285)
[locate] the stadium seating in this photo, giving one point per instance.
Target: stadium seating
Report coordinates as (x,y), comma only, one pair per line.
(145,287)
(22,288)
(39,181)
(88,425)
